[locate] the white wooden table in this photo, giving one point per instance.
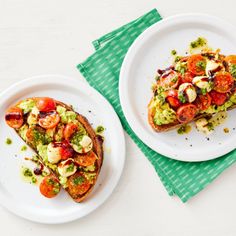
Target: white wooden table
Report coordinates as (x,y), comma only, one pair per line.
(51,37)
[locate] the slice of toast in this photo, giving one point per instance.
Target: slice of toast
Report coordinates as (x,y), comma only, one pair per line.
(96,147)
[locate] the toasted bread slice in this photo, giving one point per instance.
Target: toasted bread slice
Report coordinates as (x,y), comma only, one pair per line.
(71,186)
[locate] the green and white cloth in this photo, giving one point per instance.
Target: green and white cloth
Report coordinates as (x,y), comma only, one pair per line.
(101,70)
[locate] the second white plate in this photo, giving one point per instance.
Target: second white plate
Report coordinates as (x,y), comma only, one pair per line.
(151,51)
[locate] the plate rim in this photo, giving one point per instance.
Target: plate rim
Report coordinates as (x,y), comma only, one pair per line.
(34,80)
(168,21)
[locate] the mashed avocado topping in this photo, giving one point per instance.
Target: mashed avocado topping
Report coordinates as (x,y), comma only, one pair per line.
(27,105)
(66,116)
(22,131)
(90,176)
(232,70)
(89,168)
(42,151)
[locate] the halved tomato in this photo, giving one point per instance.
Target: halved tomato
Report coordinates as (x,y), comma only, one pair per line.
(223,82)
(169,79)
(66,150)
(87,159)
(187,77)
(172,98)
(48,120)
(14,117)
(196,64)
(186,113)
(218,98)
(78,184)
(203,101)
(45,104)
(49,187)
(69,130)
(231,59)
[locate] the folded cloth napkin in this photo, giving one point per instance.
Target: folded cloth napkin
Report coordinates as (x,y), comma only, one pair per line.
(101,70)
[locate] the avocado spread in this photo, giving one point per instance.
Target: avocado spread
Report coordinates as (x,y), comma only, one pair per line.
(164,114)
(27,105)
(66,116)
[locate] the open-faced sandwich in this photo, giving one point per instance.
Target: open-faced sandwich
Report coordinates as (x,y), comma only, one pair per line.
(194,86)
(64,141)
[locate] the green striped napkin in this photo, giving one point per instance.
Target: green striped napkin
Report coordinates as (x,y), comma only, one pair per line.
(101,70)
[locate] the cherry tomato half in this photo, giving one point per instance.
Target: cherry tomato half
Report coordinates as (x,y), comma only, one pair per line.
(14,117)
(69,130)
(45,104)
(218,98)
(196,64)
(78,184)
(187,77)
(186,113)
(203,101)
(87,159)
(223,82)
(66,150)
(172,98)
(231,59)
(170,79)
(49,187)
(48,120)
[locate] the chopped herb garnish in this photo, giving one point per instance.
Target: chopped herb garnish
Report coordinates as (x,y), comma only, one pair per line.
(232,70)
(70,168)
(173,52)
(182,97)
(78,180)
(23,148)
(201,65)
(27,172)
(204,91)
(199,42)
(8,141)
(100,129)
(177,58)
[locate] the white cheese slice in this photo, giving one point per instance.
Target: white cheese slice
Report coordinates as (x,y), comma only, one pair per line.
(202,83)
(67,168)
(189,90)
(53,153)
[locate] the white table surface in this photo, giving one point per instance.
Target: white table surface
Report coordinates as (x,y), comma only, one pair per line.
(51,37)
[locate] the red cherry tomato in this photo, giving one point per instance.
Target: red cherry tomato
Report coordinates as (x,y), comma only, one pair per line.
(223,82)
(170,79)
(196,64)
(78,184)
(218,98)
(69,130)
(45,104)
(203,102)
(48,120)
(14,117)
(187,77)
(231,59)
(49,187)
(66,150)
(186,113)
(87,159)
(172,98)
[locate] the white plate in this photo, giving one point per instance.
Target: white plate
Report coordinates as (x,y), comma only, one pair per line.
(24,199)
(151,51)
